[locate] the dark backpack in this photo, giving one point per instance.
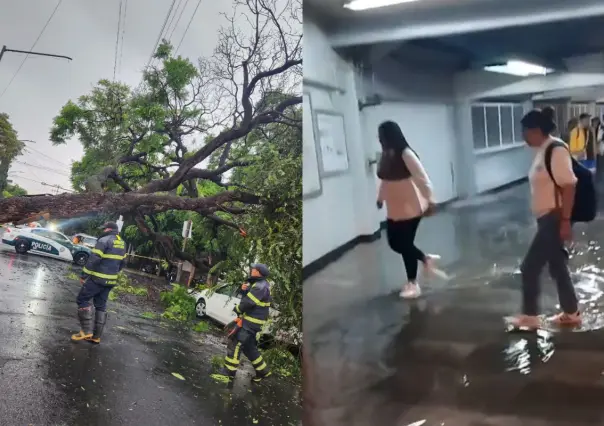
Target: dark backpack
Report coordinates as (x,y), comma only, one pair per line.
(586,205)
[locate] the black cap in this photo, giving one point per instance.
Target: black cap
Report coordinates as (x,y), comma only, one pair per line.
(262,268)
(110,225)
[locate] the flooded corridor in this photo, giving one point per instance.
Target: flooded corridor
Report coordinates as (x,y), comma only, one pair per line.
(446,359)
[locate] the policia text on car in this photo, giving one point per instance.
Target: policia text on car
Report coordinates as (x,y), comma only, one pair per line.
(253,312)
(99,276)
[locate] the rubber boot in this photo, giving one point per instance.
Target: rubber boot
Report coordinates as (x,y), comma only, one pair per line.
(99,324)
(85,316)
(262,374)
(228,374)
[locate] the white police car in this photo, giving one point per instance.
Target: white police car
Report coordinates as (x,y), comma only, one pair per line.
(45,242)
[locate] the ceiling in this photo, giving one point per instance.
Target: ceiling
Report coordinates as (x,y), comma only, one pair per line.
(333,11)
(547,44)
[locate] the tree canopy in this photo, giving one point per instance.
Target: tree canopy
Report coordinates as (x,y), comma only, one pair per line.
(10,148)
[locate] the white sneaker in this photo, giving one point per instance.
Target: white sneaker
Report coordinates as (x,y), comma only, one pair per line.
(411,291)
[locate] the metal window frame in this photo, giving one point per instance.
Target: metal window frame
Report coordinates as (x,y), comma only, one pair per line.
(501,146)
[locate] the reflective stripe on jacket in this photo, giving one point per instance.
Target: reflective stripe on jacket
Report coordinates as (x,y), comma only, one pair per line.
(106,260)
(255,305)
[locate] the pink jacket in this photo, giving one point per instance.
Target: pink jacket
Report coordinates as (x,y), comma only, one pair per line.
(407,198)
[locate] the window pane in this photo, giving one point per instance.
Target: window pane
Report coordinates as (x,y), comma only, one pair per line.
(493,136)
(518,114)
(59,237)
(478,130)
(507,130)
(225,290)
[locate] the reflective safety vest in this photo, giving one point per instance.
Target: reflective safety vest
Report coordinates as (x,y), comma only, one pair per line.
(255,305)
(106,260)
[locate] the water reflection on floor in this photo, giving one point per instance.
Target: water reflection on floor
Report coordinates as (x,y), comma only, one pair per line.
(446,359)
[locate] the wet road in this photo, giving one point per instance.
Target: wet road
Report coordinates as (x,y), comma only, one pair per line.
(446,360)
(46,380)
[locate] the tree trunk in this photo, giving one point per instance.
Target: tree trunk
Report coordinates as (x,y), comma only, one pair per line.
(65,206)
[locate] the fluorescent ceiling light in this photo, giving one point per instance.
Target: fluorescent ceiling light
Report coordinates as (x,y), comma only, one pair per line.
(373,4)
(519,68)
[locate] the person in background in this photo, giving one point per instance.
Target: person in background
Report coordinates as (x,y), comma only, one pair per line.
(570,126)
(407,192)
(582,143)
(598,131)
(552,203)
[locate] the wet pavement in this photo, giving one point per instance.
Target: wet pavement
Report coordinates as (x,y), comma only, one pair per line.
(46,380)
(446,359)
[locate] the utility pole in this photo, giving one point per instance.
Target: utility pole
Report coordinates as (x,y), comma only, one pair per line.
(6,49)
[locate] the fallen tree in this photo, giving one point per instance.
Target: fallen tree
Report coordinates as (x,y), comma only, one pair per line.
(142,147)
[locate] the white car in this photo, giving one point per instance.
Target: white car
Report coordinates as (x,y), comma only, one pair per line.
(219,302)
(45,242)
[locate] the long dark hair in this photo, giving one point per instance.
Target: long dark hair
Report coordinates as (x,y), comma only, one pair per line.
(540,119)
(393,141)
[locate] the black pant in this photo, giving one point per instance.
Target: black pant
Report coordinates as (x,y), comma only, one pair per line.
(244,341)
(91,290)
(401,238)
(547,248)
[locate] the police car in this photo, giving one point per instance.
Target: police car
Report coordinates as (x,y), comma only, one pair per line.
(45,242)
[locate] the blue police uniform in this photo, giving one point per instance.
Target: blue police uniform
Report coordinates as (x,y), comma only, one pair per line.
(100,274)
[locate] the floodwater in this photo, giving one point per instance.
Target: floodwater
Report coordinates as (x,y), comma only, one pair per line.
(46,380)
(447,359)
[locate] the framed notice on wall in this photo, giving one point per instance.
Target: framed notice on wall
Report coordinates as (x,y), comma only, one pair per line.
(311,178)
(331,133)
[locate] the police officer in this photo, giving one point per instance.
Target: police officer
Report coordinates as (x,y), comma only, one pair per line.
(253,313)
(99,276)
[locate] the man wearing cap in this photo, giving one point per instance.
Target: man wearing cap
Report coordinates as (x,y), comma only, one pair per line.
(98,277)
(253,312)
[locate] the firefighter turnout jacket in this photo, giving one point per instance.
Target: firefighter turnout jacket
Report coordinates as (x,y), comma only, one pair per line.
(254,306)
(106,260)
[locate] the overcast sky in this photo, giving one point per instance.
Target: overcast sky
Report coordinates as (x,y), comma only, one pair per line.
(86,31)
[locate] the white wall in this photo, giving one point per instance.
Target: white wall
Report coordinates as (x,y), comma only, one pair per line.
(494,170)
(346,207)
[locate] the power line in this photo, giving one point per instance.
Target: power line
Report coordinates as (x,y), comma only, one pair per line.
(46,184)
(161,32)
(32,47)
(117,40)
(33,150)
(123,33)
(178,20)
(42,168)
(188,25)
(178,3)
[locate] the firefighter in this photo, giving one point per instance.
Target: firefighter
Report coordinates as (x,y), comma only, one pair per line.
(253,312)
(99,276)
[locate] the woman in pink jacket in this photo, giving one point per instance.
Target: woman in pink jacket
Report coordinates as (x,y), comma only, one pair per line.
(407,192)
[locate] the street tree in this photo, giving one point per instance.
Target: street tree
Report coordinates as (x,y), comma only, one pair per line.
(10,148)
